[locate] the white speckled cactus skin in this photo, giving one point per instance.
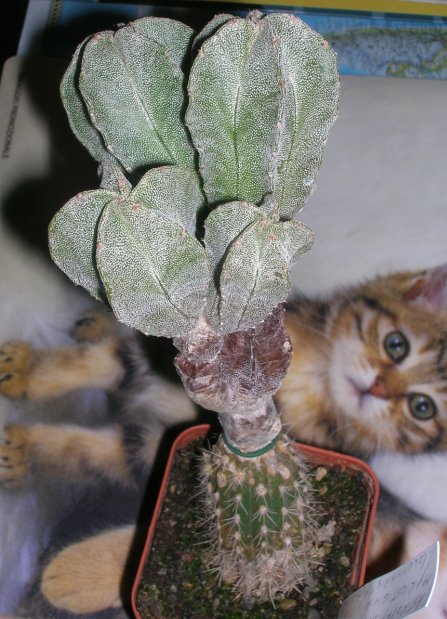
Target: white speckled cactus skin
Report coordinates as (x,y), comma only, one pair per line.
(207,147)
(273,98)
(260,97)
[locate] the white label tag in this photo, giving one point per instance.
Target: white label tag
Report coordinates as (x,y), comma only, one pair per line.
(397,594)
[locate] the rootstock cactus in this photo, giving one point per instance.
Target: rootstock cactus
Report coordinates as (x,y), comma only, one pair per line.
(207,147)
(270,547)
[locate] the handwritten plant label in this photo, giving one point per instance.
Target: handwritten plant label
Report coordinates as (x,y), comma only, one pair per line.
(397,594)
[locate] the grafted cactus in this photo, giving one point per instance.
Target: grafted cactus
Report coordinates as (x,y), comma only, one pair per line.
(208,146)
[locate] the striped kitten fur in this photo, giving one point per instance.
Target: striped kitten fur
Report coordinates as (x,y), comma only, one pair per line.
(369,369)
(83,566)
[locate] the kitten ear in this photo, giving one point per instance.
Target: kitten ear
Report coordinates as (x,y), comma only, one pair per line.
(429,289)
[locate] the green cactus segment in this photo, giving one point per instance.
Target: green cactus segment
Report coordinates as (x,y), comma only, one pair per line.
(72,239)
(174,191)
(233,111)
(310,102)
(78,116)
(254,278)
(173,35)
(249,255)
(133,91)
(293,239)
(155,273)
(263,94)
(211,28)
(224,224)
(113,179)
(265,516)
(222,227)
(173,196)
(162,41)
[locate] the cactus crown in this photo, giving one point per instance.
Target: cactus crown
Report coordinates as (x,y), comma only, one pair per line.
(230,124)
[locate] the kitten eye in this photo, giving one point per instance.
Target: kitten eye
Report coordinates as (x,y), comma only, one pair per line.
(422,407)
(397,346)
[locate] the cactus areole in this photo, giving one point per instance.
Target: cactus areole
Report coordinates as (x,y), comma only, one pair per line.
(207,147)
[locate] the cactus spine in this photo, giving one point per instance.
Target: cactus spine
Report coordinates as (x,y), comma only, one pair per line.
(208,146)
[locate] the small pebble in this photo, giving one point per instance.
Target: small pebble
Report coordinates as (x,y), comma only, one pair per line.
(287,604)
(321,472)
(313,614)
(162,571)
(344,560)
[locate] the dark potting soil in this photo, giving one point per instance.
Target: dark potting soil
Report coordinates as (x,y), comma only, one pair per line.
(176,584)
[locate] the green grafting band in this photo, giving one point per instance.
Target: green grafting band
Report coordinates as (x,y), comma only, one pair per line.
(250,454)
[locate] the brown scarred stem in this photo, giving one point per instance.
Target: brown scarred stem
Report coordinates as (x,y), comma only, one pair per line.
(236,373)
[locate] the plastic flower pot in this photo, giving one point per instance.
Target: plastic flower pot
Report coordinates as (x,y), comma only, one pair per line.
(316,457)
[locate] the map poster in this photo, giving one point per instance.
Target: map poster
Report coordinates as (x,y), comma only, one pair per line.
(367,43)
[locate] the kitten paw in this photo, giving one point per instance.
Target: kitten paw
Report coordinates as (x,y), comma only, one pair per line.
(14,469)
(15,360)
(93,327)
(85,577)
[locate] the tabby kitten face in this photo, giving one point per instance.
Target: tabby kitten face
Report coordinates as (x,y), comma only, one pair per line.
(387,366)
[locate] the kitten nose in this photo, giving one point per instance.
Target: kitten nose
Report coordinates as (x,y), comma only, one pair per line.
(378,388)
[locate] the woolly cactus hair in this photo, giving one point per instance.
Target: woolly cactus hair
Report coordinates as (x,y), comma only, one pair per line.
(262,515)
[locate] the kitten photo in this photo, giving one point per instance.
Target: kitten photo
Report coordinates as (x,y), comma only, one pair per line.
(38,307)
(369,367)
(368,377)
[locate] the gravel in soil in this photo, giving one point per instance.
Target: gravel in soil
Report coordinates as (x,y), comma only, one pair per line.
(176,584)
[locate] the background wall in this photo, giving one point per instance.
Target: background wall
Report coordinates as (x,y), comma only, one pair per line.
(381,197)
